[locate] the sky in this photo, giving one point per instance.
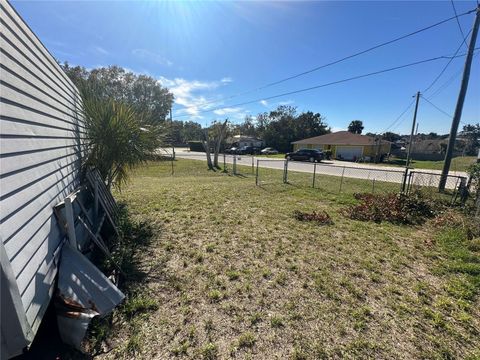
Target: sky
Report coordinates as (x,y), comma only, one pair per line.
(215,55)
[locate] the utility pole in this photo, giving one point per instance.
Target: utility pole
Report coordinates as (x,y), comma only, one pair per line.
(461,99)
(413,130)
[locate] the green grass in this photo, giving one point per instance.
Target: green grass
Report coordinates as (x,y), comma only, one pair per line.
(234,274)
(276,156)
(460,163)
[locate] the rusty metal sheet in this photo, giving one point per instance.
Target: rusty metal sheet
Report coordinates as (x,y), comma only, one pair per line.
(83,292)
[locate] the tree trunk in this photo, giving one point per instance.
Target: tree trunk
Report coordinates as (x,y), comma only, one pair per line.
(221,135)
(206,146)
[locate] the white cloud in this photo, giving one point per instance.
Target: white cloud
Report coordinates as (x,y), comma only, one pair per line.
(286,102)
(100,50)
(151,56)
(264,103)
(189,94)
(226,80)
(227,110)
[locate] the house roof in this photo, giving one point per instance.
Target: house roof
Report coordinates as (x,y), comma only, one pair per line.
(340,138)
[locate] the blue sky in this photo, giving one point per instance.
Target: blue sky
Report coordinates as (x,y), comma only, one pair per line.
(211,50)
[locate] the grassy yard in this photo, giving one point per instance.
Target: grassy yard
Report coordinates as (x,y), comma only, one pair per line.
(460,163)
(230,273)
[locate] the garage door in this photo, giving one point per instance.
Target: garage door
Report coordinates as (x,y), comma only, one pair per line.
(349,152)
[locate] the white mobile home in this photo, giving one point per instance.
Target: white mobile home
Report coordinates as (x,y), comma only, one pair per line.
(42,136)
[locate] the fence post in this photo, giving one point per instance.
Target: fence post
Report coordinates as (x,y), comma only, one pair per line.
(234,164)
(373,186)
(341,179)
(253,164)
(410,174)
(224,163)
(285,172)
(314,173)
(256,175)
(404,181)
(455,192)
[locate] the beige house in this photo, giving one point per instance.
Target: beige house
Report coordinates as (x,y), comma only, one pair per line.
(345,145)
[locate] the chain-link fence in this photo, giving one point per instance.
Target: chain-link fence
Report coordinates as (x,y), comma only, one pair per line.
(344,179)
(335,178)
(428,182)
(269,171)
(243,165)
(351,179)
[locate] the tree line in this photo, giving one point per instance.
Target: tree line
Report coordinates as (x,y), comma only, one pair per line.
(127,120)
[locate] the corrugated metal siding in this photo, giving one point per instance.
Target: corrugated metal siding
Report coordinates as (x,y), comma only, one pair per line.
(41,142)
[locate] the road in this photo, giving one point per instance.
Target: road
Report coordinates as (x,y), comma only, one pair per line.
(424,177)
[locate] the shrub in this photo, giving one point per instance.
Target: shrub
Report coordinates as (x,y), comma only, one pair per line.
(322,218)
(394,208)
(196,146)
(453,218)
(474,172)
(328,154)
(119,136)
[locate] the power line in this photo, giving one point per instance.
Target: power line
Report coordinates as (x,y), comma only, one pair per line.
(445,67)
(398,117)
(326,84)
(364,51)
(458,23)
(446,83)
(439,109)
(401,121)
(336,61)
(436,107)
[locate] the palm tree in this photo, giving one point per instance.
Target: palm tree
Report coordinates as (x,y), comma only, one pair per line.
(356,127)
(119,137)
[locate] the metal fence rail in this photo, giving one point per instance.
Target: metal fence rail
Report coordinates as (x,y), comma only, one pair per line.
(344,178)
(351,179)
(337,178)
(427,182)
(269,171)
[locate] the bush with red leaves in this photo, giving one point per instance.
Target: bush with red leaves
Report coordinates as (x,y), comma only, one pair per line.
(394,208)
(322,218)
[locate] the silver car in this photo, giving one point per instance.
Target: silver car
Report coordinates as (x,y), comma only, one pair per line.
(269,151)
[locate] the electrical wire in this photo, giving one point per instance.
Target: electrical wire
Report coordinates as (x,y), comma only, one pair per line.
(446,83)
(364,51)
(399,117)
(207,102)
(326,84)
(458,23)
(442,111)
(436,107)
(445,67)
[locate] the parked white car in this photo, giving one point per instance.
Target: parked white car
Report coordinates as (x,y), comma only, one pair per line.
(269,151)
